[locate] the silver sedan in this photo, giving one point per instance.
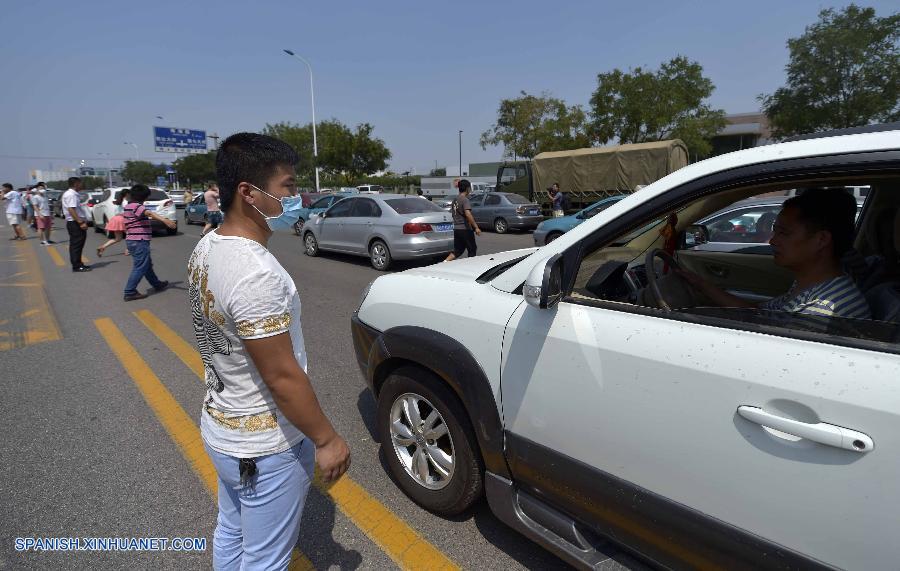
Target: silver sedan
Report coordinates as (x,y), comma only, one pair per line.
(384,227)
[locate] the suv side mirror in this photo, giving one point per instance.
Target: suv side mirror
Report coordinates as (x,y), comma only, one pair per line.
(543,287)
(694,235)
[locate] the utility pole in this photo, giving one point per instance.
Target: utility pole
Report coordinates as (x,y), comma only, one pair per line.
(460,153)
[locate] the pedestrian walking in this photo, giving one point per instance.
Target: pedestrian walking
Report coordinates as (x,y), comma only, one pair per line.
(28,207)
(138,233)
(188,196)
(76,223)
(116,224)
(213,214)
(42,217)
(13,200)
(261,423)
(559,199)
(464,226)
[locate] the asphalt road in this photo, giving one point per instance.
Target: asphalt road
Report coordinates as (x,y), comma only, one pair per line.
(100,410)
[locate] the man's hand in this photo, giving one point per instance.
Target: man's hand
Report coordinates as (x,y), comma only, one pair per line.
(478,231)
(82,225)
(333,458)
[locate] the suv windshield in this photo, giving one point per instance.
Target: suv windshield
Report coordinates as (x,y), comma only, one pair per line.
(412,205)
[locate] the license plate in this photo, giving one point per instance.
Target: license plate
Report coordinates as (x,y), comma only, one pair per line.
(149,208)
(533,211)
(443,227)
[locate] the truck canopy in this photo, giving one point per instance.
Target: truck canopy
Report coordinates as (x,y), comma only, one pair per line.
(608,170)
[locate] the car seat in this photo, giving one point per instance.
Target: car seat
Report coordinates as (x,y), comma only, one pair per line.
(882,286)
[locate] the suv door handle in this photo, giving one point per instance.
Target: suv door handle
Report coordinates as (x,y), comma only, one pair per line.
(821,432)
(718,271)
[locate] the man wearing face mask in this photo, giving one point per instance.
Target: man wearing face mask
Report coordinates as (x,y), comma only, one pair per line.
(261,423)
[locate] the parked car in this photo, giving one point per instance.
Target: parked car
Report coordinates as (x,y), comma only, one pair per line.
(195,212)
(501,211)
(384,227)
(320,205)
(53,197)
(56,206)
(598,402)
(443,203)
(158,202)
(369,188)
(552,228)
(177,197)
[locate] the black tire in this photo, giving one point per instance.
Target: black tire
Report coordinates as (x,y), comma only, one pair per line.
(552,236)
(298,226)
(380,256)
(466,484)
(310,245)
(187,219)
(501,226)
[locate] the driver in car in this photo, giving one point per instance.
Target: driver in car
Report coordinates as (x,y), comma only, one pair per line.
(810,235)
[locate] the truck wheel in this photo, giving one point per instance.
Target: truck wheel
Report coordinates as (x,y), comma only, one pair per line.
(501,226)
(428,442)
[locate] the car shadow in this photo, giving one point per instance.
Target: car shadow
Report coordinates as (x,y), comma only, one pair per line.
(366,406)
(363,262)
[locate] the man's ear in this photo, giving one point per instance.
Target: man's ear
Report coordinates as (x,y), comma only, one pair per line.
(244,191)
(824,239)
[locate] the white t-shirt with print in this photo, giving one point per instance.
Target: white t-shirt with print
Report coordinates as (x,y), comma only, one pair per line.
(71,199)
(238,291)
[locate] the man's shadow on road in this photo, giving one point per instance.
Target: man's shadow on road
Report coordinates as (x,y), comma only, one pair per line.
(317,535)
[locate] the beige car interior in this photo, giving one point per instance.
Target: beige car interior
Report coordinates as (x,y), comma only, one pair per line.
(753,276)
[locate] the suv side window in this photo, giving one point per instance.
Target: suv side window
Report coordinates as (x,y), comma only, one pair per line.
(342,208)
(617,274)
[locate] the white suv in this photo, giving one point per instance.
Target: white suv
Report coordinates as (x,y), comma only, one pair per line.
(158,201)
(596,401)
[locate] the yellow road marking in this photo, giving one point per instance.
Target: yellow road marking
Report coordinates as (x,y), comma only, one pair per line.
(55,256)
(39,324)
(184,350)
(180,427)
(396,538)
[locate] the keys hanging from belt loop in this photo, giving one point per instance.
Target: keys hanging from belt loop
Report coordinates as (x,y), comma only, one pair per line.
(247,470)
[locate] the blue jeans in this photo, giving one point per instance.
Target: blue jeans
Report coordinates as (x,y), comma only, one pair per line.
(259,524)
(143,265)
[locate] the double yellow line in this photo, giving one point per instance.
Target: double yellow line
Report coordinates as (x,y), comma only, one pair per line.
(401,543)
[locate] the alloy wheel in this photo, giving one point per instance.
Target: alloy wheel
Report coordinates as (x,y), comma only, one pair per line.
(421,439)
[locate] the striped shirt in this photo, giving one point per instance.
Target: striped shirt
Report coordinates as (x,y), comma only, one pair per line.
(137,225)
(837,297)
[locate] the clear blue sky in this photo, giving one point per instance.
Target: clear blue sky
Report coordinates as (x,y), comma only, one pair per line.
(80,78)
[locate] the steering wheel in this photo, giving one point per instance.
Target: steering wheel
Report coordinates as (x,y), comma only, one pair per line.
(651,275)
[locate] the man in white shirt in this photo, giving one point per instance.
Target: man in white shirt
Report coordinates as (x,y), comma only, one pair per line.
(13,200)
(42,217)
(76,223)
(260,422)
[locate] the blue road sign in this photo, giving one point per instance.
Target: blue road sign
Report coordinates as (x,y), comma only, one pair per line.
(161,181)
(174,140)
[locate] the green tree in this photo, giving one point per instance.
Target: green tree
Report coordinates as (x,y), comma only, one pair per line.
(344,154)
(142,172)
(844,71)
(438,172)
(532,124)
(196,168)
(654,105)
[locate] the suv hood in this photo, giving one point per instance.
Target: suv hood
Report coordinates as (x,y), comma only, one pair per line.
(468,269)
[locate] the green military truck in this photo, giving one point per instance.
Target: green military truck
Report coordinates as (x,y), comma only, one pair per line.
(589,175)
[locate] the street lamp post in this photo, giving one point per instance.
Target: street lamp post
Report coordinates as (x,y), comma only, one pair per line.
(312,97)
(108,167)
(460,153)
(137,155)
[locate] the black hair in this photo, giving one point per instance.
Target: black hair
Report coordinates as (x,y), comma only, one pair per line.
(830,209)
(249,157)
(73,180)
(464,185)
(138,193)
(121,197)
(7,185)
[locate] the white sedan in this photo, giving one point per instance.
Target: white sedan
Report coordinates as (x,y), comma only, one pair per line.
(159,202)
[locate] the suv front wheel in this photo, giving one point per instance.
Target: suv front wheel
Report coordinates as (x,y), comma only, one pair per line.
(428,442)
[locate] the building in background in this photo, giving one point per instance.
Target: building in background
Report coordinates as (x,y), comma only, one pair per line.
(743,130)
(40,175)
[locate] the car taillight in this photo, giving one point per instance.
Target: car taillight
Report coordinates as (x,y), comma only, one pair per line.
(416,228)
(521,209)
